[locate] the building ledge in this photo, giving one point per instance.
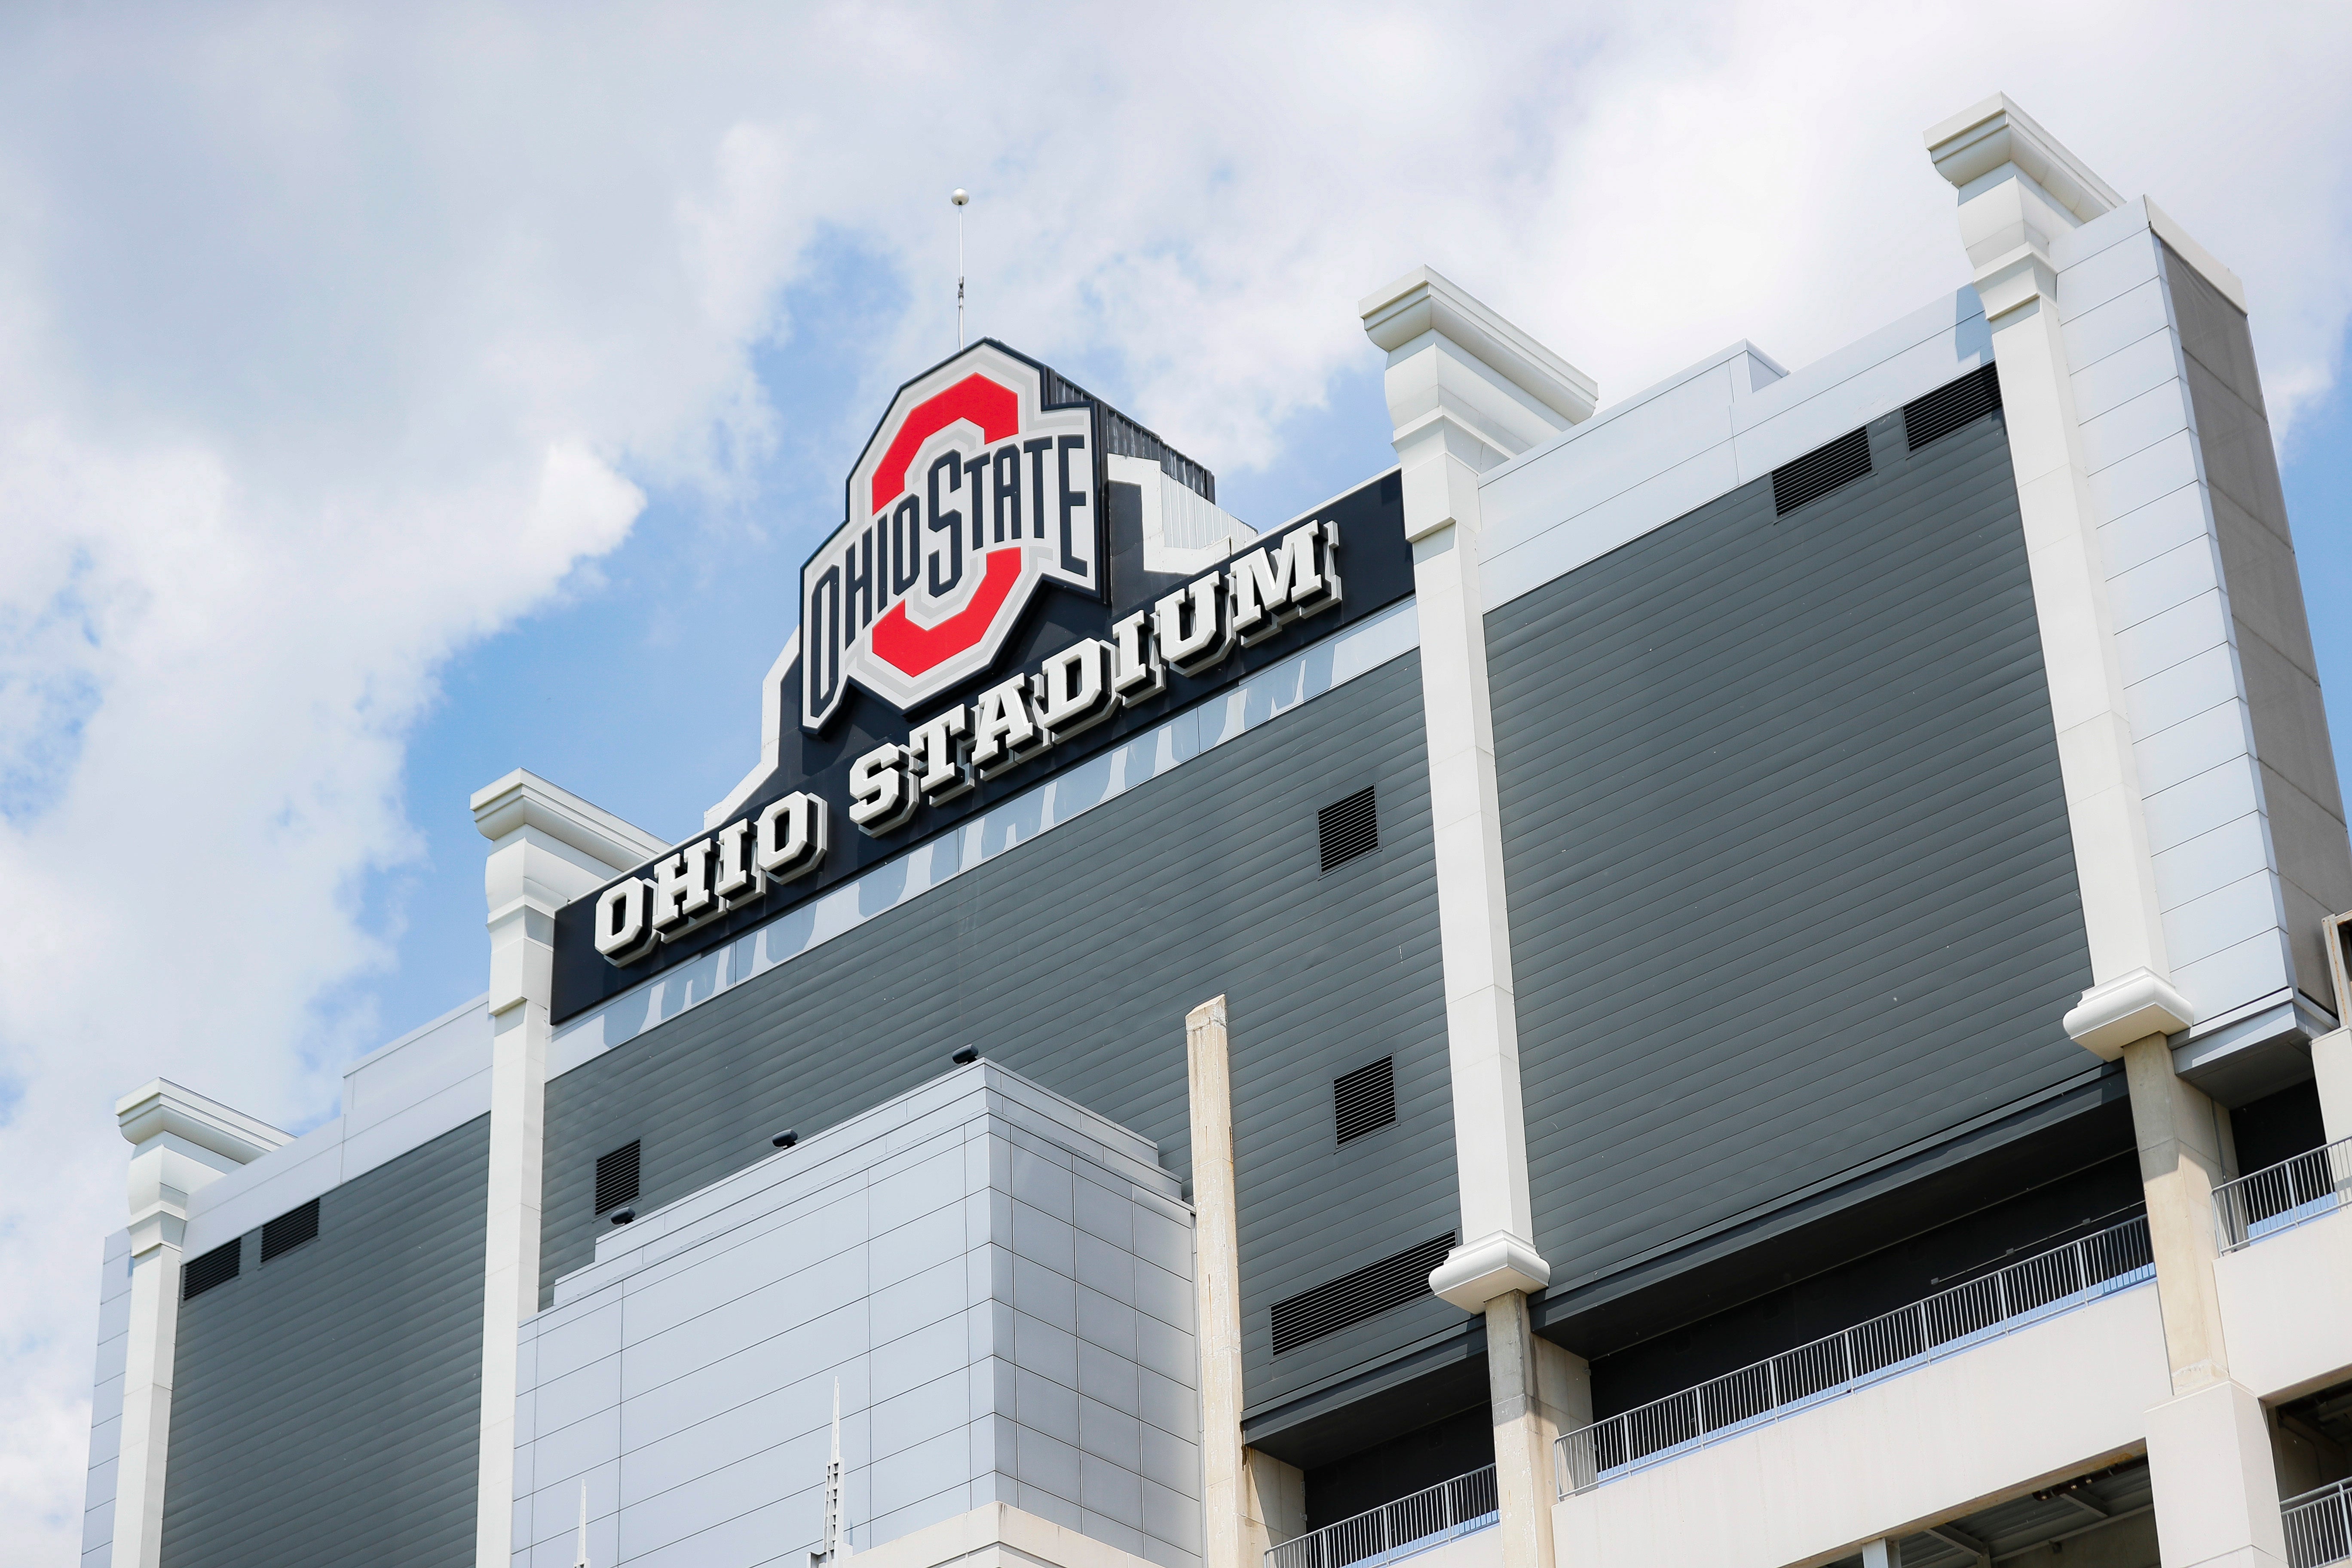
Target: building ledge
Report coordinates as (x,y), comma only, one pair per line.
(2051,1400)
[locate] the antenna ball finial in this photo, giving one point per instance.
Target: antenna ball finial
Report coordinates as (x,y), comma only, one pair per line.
(960,196)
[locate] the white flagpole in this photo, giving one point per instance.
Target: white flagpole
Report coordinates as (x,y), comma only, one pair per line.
(581,1561)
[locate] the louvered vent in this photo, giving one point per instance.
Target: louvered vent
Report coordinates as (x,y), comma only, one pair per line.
(290,1230)
(1947,408)
(1349,828)
(1352,1297)
(1820,471)
(217,1266)
(616,1178)
(1364,1100)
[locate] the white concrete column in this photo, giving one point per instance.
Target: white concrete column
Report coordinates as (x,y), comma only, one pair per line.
(2019,190)
(1524,1488)
(1227,1539)
(1274,1502)
(2184,1154)
(2331,1065)
(2331,1054)
(548,846)
(180,1142)
(1250,1501)
(1468,391)
(2209,1455)
(1564,1396)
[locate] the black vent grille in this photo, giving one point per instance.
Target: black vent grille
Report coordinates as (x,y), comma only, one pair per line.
(1352,1297)
(616,1178)
(1820,471)
(1349,828)
(290,1230)
(1947,408)
(1364,1100)
(217,1266)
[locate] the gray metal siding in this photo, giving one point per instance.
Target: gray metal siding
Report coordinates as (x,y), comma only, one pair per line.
(1789,877)
(1073,960)
(2301,796)
(326,1407)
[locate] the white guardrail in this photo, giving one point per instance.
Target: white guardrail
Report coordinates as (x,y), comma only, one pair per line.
(2319,1526)
(2282,1196)
(1950,1320)
(1408,1524)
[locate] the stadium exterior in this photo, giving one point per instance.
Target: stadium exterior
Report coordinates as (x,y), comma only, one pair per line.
(1745,978)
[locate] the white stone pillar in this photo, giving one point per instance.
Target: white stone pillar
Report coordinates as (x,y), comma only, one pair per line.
(1274,1504)
(2216,1482)
(180,1142)
(1249,1500)
(1226,1511)
(548,846)
(2331,1066)
(1564,1396)
(2331,1054)
(1468,391)
(2019,191)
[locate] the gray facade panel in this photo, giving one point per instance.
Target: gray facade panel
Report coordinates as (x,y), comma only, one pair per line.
(327,1404)
(1073,960)
(1789,876)
(2301,795)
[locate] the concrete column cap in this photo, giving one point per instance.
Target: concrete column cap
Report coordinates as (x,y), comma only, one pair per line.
(1980,140)
(2129,1007)
(1496,1265)
(523,799)
(162,1106)
(1425,300)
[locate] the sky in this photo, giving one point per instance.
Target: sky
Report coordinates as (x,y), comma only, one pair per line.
(392,397)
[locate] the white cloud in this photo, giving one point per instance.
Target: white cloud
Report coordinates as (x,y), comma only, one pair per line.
(330,341)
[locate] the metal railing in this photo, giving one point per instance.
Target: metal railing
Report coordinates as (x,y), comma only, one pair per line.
(2319,1526)
(2284,1196)
(2050,1282)
(1443,1511)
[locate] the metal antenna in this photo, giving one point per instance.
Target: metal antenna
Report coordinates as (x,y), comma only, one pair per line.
(581,1561)
(831,1546)
(960,198)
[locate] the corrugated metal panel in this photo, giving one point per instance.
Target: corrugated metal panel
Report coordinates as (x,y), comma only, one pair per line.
(326,1407)
(1790,874)
(1073,960)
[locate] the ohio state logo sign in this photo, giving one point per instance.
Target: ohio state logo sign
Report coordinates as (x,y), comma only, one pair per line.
(971,494)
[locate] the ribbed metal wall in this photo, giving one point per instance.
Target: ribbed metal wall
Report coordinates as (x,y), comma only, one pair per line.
(1790,875)
(1073,960)
(326,1404)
